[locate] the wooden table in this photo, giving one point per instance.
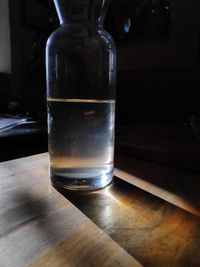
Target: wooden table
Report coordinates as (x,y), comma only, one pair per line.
(149,217)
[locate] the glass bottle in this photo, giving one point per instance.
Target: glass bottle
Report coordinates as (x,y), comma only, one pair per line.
(81,78)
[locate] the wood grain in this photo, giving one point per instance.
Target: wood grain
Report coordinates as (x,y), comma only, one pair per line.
(38,227)
(121,225)
(86,247)
(181,188)
(152,230)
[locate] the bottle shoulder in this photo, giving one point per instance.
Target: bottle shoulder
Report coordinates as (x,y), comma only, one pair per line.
(67,36)
(107,38)
(56,35)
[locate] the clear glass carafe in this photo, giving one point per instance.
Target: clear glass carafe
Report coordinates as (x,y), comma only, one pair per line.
(81,77)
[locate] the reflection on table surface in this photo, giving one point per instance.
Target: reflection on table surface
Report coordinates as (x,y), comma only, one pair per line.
(154,231)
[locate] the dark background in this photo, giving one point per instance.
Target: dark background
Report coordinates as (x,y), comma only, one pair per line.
(158,80)
(158,59)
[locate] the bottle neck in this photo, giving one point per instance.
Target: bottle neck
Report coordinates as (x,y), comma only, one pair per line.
(83,29)
(90,13)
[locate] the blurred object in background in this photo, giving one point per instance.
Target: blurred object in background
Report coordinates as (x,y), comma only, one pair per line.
(4,91)
(195,124)
(142,20)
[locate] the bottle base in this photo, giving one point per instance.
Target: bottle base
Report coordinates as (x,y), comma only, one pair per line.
(80,184)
